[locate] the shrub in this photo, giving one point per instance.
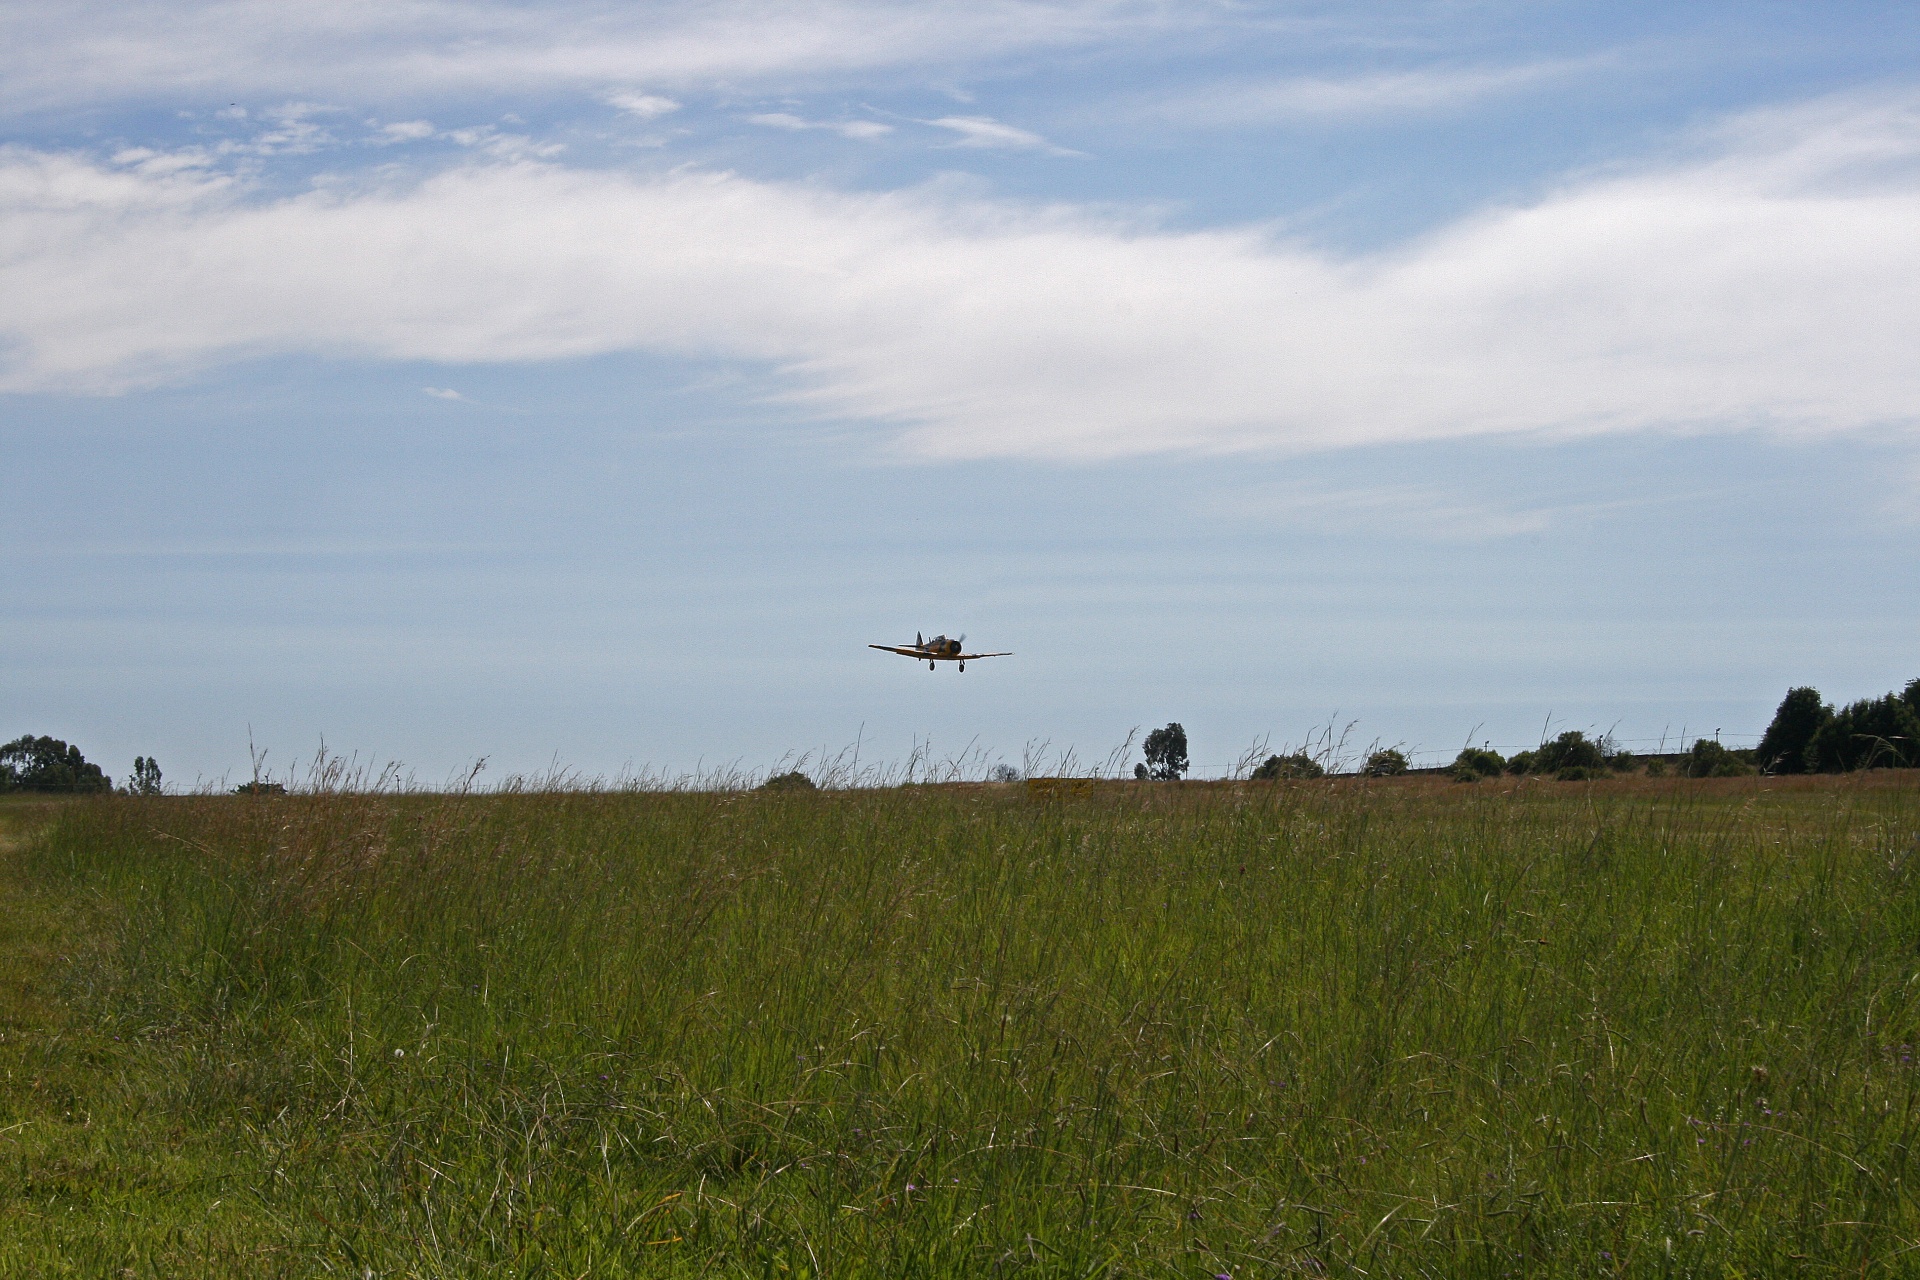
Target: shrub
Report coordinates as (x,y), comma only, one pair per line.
(792,780)
(260,788)
(1801,715)
(1386,763)
(1709,759)
(1004,773)
(1523,762)
(1571,757)
(48,764)
(1475,763)
(1166,751)
(1296,766)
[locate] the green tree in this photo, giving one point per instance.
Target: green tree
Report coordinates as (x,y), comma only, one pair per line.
(1570,757)
(146,777)
(1783,748)
(1166,751)
(48,764)
(1873,733)
(1709,759)
(1388,762)
(1297,765)
(1475,763)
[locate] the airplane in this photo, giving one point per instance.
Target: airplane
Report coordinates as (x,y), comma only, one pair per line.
(938,649)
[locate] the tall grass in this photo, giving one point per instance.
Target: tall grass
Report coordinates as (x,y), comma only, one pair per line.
(1325,1029)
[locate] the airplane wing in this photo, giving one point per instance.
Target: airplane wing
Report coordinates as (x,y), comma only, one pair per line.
(905,653)
(969,657)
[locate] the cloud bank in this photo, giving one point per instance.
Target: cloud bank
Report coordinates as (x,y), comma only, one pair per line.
(1764,283)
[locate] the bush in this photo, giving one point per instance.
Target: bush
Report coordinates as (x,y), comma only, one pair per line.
(792,780)
(48,764)
(1475,763)
(1004,773)
(1299,765)
(1709,759)
(1386,763)
(1801,715)
(1166,751)
(260,788)
(1571,757)
(1523,762)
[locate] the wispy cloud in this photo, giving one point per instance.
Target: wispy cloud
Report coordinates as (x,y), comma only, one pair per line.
(983,131)
(407,131)
(444,393)
(647,106)
(95,51)
(1316,99)
(861,130)
(1765,283)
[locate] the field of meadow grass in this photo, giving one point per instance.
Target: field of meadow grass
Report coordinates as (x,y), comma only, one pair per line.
(1387,1028)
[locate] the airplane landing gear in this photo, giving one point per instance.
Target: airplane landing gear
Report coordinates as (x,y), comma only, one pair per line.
(963,666)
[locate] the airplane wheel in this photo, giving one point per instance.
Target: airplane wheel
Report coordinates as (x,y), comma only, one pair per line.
(963,666)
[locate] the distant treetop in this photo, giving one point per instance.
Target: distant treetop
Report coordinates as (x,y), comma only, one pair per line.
(48,764)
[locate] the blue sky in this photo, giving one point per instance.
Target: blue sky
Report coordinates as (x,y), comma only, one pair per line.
(590,384)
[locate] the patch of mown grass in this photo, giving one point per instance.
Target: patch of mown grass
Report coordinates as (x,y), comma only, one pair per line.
(1323,1029)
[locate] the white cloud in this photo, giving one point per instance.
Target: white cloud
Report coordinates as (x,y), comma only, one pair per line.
(1426,91)
(443,393)
(407,130)
(983,131)
(1767,284)
(94,51)
(647,106)
(861,130)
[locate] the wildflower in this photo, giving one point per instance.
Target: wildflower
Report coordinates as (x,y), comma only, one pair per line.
(399,1053)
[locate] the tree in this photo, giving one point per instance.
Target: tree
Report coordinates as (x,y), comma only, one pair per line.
(146,777)
(48,764)
(1709,759)
(1166,751)
(792,780)
(1570,757)
(1873,733)
(1783,748)
(1389,762)
(1475,763)
(1297,765)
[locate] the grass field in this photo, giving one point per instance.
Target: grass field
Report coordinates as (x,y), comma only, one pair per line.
(1325,1029)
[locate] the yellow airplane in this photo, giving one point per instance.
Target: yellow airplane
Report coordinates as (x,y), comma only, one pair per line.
(938,649)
